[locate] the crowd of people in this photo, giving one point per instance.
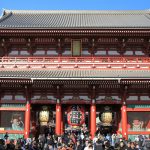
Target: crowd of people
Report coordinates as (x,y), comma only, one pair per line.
(75,141)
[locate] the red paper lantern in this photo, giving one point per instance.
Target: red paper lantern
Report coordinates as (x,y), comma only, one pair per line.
(75,115)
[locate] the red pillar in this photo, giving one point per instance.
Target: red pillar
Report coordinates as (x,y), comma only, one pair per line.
(62,127)
(124,122)
(58,119)
(62,124)
(27,121)
(93,120)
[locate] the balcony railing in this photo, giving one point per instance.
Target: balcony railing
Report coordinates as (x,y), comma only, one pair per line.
(75,62)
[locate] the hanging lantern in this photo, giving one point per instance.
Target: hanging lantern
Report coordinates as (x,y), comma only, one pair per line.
(106,116)
(75,115)
(44,116)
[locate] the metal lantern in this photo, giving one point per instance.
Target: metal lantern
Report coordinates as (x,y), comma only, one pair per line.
(44,116)
(75,115)
(106,116)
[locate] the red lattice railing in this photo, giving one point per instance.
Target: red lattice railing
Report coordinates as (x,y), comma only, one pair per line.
(94,62)
(75,59)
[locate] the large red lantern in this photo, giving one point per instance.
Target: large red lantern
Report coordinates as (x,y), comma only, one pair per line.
(75,115)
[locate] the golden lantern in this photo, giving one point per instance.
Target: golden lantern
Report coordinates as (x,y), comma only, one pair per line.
(44,116)
(106,116)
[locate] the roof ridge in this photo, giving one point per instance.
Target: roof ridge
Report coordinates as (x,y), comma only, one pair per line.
(78,11)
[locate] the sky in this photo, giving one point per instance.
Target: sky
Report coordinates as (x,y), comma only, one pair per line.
(74,4)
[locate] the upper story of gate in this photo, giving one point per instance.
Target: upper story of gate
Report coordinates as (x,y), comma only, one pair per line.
(75,39)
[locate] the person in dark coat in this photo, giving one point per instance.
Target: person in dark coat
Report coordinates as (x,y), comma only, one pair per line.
(10,147)
(42,139)
(122,146)
(99,144)
(116,147)
(34,146)
(2,143)
(128,145)
(66,138)
(133,146)
(107,146)
(50,140)
(79,146)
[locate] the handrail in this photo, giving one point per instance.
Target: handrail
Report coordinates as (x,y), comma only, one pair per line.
(75,62)
(74,59)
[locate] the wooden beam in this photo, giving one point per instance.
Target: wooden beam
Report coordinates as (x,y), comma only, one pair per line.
(139,109)
(138,132)
(43,101)
(12,109)
(11,132)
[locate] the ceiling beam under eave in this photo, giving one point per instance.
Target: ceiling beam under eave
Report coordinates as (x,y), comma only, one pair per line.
(135,81)
(15,81)
(76,80)
(76,32)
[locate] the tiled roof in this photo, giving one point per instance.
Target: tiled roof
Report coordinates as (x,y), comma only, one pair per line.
(75,74)
(63,19)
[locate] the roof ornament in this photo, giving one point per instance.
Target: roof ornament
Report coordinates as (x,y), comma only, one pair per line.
(3,12)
